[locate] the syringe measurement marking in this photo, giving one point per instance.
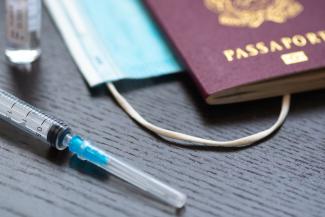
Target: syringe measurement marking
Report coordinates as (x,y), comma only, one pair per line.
(40,128)
(13,105)
(43,122)
(24,121)
(32,120)
(10,111)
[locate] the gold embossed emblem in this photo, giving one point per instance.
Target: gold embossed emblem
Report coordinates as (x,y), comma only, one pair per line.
(253,13)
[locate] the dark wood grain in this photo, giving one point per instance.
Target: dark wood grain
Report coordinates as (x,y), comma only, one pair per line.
(281,176)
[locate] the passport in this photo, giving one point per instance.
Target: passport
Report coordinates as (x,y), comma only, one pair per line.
(240,50)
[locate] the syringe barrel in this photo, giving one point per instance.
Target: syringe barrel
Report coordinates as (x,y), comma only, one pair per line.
(58,135)
(32,120)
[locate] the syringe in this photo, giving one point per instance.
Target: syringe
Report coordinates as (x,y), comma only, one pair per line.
(60,136)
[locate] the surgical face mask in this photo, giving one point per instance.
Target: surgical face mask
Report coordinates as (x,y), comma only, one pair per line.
(118,39)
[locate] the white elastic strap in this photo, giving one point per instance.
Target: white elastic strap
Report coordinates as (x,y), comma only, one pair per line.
(241,142)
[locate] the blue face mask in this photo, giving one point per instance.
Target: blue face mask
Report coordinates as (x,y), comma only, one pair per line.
(118,39)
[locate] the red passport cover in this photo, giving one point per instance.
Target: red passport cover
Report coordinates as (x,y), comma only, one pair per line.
(229,43)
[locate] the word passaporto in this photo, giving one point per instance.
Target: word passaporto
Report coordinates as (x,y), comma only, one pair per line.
(284,43)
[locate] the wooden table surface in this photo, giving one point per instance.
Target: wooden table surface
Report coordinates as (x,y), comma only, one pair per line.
(281,176)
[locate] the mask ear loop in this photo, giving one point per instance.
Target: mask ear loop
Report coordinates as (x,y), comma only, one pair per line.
(241,142)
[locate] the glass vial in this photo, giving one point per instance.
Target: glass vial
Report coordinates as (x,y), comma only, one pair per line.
(23,31)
